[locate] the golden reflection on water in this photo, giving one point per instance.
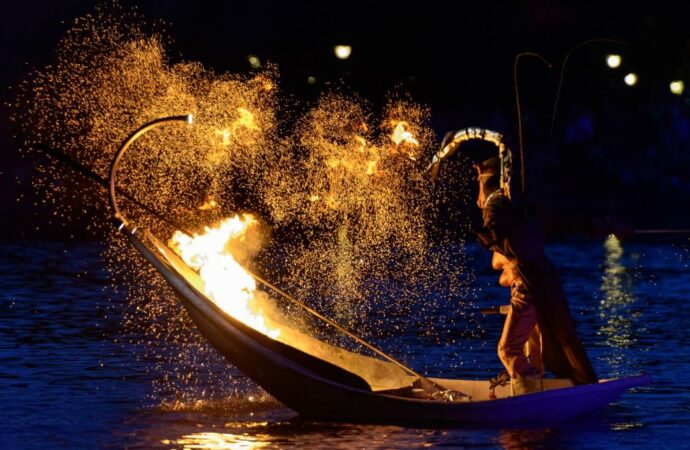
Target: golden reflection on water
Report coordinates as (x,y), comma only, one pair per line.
(618,302)
(521,439)
(220,441)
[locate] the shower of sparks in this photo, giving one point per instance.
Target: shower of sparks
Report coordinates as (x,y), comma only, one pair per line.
(342,189)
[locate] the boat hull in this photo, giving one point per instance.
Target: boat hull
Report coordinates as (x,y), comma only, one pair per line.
(321,391)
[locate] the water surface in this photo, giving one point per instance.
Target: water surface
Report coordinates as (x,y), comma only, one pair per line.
(66,381)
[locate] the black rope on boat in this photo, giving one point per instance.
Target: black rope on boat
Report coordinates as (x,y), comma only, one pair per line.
(93,176)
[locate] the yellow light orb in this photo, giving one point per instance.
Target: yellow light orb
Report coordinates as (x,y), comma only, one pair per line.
(630,79)
(311,80)
(613,61)
(254,61)
(677,87)
(342,51)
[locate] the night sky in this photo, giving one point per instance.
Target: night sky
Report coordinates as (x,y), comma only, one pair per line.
(457,58)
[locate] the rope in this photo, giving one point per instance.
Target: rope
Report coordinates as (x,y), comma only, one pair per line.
(562,75)
(519,111)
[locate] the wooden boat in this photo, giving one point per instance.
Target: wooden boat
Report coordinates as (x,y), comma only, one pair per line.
(323,382)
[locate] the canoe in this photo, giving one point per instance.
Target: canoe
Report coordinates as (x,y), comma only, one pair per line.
(327,383)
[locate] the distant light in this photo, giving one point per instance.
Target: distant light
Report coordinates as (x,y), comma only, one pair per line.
(613,61)
(677,87)
(630,79)
(311,80)
(254,61)
(342,51)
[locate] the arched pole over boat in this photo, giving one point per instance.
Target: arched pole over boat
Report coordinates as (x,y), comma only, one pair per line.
(457,138)
(188,118)
(122,222)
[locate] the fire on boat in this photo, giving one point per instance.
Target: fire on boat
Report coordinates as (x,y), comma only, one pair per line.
(318,379)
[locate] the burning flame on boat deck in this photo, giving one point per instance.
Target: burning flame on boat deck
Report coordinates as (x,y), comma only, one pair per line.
(226,282)
(364,388)
(230,286)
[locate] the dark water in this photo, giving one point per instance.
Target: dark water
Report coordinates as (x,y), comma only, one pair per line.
(66,383)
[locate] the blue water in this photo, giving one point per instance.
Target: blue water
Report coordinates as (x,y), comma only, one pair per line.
(67,381)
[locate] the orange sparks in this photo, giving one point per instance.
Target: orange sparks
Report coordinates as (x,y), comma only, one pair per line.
(208,204)
(245,120)
(371,167)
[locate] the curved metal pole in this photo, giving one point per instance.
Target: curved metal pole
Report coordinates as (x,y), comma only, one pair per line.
(562,75)
(123,148)
(466,134)
(516,86)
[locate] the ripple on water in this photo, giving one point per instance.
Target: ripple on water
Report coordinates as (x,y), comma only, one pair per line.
(65,383)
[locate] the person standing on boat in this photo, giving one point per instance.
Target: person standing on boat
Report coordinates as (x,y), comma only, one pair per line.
(539,315)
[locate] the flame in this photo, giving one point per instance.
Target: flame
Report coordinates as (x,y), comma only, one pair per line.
(226,282)
(225,134)
(356,162)
(362,144)
(333,162)
(245,120)
(371,167)
(210,203)
(401,135)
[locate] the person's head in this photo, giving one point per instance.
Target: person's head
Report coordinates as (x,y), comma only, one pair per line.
(489,178)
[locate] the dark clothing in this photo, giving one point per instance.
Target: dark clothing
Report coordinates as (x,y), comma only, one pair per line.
(506,230)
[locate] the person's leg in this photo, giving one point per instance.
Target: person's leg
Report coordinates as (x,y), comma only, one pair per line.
(519,325)
(533,350)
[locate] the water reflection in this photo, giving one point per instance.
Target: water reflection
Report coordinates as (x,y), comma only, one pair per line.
(521,439)
(220,441)
(59,367)
(617,307)
(253,435)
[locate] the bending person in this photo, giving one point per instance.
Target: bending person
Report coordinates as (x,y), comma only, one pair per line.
(539,308)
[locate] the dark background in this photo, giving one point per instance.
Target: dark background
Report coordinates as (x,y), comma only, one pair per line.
(615,149)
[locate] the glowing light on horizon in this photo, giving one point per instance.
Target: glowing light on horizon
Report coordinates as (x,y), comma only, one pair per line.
(630,79)
(342,51)
(613,61)
(677,87)
(254,61)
